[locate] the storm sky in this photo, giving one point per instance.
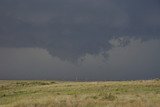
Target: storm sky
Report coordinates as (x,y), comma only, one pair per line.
(90,39)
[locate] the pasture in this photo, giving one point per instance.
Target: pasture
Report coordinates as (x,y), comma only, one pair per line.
(39,93)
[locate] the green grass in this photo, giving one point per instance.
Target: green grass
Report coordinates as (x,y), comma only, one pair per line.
(80,94)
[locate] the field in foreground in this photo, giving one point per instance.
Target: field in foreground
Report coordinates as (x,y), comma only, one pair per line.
(80,94)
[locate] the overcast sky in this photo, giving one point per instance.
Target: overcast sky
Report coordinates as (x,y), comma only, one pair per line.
(93,39)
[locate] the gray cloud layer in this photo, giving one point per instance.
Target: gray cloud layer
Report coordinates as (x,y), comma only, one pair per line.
(137,60)
(71,29)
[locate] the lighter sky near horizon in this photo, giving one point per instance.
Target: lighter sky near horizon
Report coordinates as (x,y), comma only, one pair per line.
(93,39)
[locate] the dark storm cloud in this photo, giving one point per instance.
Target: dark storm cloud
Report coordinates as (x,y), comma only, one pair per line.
(70,29)
(97,39)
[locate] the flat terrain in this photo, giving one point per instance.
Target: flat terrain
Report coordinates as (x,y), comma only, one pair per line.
(80,94)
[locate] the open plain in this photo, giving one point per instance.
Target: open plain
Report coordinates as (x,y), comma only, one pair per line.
(39,93)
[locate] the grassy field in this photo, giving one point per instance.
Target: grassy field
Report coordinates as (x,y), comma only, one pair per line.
(80,94)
